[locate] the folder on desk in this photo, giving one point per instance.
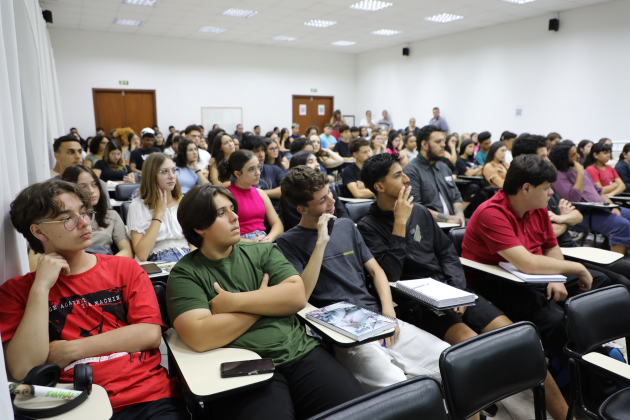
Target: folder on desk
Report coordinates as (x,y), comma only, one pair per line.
(533,278)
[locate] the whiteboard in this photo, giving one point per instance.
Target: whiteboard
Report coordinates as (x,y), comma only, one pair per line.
(227,118)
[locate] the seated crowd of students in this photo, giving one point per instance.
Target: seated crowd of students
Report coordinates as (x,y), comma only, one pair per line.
(247,226)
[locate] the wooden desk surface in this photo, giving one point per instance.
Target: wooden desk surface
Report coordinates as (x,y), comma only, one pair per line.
(594,255)
(339,339)
(96,407)
(202,371)
(494,270)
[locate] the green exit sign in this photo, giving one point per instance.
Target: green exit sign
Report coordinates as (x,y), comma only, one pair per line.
(313,90)
(123,82)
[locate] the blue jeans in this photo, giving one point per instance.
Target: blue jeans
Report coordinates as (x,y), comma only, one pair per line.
(171,255)
(616,228)
(253,235)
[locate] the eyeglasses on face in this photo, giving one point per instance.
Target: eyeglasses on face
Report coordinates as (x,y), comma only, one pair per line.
(71,221)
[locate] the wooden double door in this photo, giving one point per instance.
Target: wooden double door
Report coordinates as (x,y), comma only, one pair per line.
(114,108)
(312,110)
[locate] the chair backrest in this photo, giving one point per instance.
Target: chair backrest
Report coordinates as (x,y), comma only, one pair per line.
(356,211)
(124,210)
(160,292)
(417,398)
(457,237)
(597,317)
(485,369)
(125,191)
(342,190)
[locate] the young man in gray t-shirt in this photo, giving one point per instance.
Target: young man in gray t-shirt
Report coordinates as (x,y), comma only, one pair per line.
(332,268)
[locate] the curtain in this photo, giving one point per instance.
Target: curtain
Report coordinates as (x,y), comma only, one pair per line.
(30,119)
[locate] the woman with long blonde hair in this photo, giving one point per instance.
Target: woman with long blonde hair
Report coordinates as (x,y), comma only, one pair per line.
(156,234)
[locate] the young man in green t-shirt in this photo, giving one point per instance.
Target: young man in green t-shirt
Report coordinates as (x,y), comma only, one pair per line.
(245,295)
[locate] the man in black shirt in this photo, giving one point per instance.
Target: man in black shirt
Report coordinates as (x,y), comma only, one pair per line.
(563,214)
(140,154)
(351,176)
(342,146)
(408,244)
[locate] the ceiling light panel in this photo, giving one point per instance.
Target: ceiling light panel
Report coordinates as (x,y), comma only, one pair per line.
(212,30)
(149,3)
(239,13)
(128,22)
(519,1)
(319,23)
(343,43)
(370,5)
(284,38)
(385,32)
(443,18)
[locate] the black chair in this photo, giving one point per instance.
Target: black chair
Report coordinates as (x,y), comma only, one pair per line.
(160,292)
(417,398)
(483,370)
(125,191)
(457,237)
(593,319)
(356,211)
(124,210)
(342,190)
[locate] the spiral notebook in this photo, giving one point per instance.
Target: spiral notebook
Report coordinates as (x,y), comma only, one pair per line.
(435,293)
(533,278)
(351,320)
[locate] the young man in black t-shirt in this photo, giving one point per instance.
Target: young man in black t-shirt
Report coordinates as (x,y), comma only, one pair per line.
(333,269)
(351,176)
(342,146)
(139,155)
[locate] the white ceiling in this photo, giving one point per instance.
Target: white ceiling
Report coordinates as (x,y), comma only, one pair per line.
(184,18)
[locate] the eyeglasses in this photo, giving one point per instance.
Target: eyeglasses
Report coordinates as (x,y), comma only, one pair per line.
(71,221)
(273,149)
(254,168)
(165,172)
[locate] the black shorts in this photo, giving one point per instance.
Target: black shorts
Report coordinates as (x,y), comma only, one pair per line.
(162,409)
(477,317)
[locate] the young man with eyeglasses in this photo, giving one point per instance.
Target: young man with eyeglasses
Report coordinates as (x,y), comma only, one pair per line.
(84,308)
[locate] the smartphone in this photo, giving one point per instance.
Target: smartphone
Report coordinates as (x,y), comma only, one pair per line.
(151,268)
(331,223)
(247,367)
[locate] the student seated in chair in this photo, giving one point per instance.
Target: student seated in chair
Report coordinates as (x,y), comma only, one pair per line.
(84,308)
(229,293)
(408,244)
(514,226)
(361,150)
(575,184)
(563,214)
(332,268)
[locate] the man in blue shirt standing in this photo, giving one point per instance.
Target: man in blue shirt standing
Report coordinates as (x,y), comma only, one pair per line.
(438,121)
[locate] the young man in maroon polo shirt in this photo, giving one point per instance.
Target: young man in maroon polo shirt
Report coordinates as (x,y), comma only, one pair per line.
(514,226)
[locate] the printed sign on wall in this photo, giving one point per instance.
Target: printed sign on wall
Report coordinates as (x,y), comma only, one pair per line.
(321,109)
(303,109)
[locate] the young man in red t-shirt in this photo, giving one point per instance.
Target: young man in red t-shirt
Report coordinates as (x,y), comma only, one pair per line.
(84,308)
(514,226)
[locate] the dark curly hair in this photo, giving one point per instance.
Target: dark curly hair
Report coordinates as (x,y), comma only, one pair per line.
(181,158)
(559,155)
(376,168)
(300,183)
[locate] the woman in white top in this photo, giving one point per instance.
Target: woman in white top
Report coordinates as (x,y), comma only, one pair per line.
(411,146)
(155,232)
(172,142)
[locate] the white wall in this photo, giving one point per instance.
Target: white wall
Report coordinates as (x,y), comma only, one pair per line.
(190,74)
(575,81)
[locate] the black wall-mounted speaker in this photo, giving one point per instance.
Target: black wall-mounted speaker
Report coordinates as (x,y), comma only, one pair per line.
(406,52)
(554,24)
(47,16)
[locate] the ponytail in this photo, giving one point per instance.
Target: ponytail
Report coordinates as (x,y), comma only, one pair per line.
(235,162)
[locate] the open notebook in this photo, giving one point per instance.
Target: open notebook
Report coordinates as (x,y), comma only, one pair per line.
(533,278)
(435,293)
(351,320)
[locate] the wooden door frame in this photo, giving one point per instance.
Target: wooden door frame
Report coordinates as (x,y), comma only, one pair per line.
(96,90)
(315,96)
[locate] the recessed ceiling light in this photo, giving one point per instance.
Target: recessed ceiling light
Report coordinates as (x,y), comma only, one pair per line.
(128,22)
(239,13)
(284,38)
(519,1)
(343,43)
(212,30)
(141,2)
(319,23)
(443,18)
(371,5)
(385,32)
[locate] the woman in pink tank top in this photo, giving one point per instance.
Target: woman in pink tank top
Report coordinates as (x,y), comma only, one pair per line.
(253,204)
